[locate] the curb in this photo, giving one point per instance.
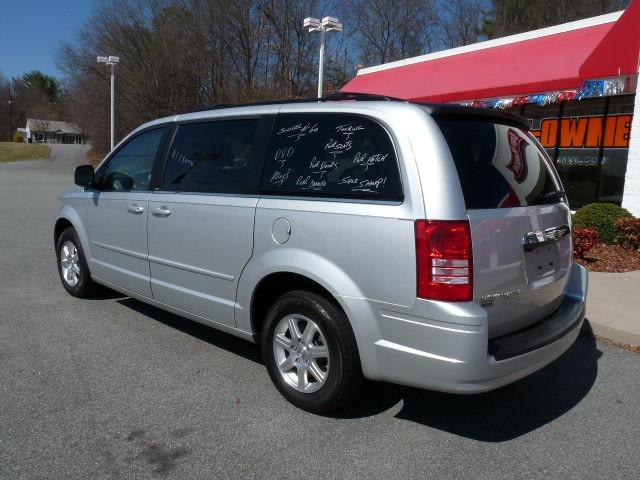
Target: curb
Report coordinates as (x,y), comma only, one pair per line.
(613,304)
(611,333)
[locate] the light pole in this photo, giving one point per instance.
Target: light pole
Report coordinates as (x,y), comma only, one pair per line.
(10,115)
(112,61)
(327,24)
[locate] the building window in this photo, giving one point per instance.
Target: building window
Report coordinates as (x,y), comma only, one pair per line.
(589,142)
(542,119)
(579,139)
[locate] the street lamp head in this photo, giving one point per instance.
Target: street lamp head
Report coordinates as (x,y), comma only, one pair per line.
(327,24)
(326,20)
(331,24)
(312,23)
(110,60)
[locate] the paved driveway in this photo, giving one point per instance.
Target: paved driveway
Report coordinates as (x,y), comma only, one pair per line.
(112,388)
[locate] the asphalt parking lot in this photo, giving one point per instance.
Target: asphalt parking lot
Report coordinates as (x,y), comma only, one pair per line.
(112,388)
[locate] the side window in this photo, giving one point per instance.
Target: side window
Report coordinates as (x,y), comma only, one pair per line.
(331,155)
(130,168)
(211,157)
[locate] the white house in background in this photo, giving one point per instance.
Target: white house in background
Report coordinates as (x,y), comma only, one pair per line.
(51,131)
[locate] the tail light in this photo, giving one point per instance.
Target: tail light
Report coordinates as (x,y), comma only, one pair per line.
(444,260)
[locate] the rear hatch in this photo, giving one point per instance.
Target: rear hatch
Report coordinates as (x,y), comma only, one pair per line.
(518,216)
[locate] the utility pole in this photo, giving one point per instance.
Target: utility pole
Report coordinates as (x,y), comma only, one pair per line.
(112,61)
(327,24)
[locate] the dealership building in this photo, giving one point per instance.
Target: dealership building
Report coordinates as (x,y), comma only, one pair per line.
(577,83)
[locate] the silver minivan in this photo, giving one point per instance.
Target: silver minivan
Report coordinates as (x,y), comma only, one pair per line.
(361,237)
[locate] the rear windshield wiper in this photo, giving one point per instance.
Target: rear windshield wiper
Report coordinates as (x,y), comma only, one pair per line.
(553,195)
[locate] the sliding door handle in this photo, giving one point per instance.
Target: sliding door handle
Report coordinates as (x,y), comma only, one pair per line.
(160,212)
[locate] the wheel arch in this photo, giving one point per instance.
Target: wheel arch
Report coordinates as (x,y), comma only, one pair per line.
(302,270)
(276,284)
(61,225)
(359,314)
(70,217)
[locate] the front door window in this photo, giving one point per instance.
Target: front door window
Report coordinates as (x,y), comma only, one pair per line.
(130,168)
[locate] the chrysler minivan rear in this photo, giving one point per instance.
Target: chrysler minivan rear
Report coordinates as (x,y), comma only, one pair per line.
(498,295)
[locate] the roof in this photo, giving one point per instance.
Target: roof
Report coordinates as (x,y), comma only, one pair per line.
(554,58)
(378,101)
(339,102)
(52,126)
(333,97)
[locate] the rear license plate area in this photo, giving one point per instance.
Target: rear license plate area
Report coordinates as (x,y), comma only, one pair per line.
(542,262)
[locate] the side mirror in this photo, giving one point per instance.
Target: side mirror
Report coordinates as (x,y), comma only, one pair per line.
(84,176)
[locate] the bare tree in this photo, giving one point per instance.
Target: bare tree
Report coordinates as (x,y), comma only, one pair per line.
(179,55)
(508,17)
(158,72)
(288,65)
(388,30)
(461,21)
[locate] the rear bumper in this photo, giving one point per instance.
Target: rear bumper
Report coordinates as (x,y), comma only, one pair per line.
(545,332)
(416,347)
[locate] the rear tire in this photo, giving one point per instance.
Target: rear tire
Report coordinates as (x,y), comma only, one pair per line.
(72,265)
(310,352)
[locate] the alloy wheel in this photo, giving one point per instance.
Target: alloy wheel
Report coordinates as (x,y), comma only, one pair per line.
(70,263)
(301,353)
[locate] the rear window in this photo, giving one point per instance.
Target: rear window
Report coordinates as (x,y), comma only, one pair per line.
(331,155)
(499,166)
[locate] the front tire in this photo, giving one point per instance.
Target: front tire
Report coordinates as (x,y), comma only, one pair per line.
(72,265)
(310,352)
